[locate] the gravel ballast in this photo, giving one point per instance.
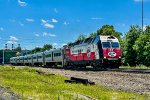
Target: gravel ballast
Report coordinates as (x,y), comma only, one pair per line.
(131,82)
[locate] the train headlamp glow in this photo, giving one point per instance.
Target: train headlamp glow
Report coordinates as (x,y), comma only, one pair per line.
(104,57)
(119,57)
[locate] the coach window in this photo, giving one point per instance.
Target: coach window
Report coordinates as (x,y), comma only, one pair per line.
(59,54)
(39,56)
(49,55)
(29,58)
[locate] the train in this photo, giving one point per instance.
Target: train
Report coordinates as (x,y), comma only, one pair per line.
(99,52)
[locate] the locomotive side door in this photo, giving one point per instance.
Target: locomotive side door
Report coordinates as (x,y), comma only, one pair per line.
(98,51)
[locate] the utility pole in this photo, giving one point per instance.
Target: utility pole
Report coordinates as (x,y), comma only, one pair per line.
(3,56)
(4,53)
(142,15)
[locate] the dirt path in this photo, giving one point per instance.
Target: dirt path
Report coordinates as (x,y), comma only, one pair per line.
(5,94)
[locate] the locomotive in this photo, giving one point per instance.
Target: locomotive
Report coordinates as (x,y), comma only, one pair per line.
(98,52)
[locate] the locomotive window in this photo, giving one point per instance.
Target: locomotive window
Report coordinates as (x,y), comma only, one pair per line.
(115,44)
(95,41)
(106,44)
(88,40)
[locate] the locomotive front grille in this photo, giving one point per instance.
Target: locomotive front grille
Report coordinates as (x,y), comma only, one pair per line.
(112,58)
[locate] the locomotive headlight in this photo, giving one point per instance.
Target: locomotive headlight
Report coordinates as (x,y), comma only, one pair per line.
(119,56)
(104,57)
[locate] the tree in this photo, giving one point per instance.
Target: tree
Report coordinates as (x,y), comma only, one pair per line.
(108,30)
(147,31)
(81,37)
(142,48)
(130,38)
(37,49)
(93,34)
(47,47)
(8,55)
(18,49)
(70,43)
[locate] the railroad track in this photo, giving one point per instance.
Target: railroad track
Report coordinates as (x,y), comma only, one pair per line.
(129,70)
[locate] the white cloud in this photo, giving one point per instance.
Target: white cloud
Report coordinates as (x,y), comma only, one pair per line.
(46,24)
(55,10)
(45,34)
(63,44)
(43,21)
(29,20)
(96,18)
(21,24)
(54,20)
(12,40)
(21,3)
(144,27)
(49,34)
(52,35)
(1,28)
(37,35)
(66,23)
(55,44)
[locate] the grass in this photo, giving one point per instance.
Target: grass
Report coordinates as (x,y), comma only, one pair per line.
(136,67)
(31,85)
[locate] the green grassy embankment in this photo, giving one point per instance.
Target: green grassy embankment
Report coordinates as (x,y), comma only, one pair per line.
(30,85)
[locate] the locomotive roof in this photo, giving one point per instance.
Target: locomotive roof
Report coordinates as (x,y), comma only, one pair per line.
(91,39)
(107,37)
(53,50)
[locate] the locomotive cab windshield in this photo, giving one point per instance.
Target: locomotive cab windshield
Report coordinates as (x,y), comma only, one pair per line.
(110,44)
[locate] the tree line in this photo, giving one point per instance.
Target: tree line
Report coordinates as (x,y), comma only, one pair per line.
(135,43)
(41,49)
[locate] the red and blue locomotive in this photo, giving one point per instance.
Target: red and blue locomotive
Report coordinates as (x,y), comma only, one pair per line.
(99,51)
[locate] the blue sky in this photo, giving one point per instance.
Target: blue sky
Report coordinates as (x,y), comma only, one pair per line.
(33,23)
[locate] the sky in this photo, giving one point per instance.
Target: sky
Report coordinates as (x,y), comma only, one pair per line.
(33,23)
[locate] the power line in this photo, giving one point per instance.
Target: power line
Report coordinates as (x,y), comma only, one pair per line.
(142,15)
